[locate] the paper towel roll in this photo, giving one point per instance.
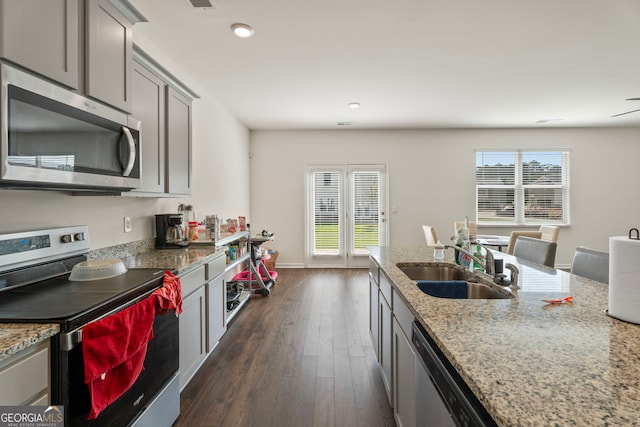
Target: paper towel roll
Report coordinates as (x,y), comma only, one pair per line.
(624,278)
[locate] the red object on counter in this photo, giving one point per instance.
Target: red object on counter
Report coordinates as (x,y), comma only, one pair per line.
(114,349)
(169,296)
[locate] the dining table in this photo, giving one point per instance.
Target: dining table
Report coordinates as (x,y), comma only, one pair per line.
(495,241)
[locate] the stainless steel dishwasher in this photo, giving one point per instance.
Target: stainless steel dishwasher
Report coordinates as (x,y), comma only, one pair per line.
(442,397)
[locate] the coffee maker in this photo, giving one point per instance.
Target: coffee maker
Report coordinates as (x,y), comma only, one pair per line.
(169,232)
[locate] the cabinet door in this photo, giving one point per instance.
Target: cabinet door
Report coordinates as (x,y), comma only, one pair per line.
(404,384)
(216,311)
(192,335)
(148,106)
(386,351)
(42,36)
(27,373)
(178,142)
(109,54)
(374,316)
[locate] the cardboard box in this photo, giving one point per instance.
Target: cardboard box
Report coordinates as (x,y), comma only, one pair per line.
(270,263)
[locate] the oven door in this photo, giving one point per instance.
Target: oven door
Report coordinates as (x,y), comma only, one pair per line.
(160,365)
(54,138)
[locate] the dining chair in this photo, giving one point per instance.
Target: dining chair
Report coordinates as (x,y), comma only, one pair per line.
(591,264)
(430,234)
(548,233)
(472,228)
(535,250)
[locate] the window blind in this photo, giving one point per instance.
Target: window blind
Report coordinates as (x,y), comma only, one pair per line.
(366,208)
(522,187)
(326,213)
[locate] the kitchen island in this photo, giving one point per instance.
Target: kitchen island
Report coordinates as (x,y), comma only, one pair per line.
(529,362)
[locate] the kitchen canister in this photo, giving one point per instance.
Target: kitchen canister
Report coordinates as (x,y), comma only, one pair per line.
(624,277)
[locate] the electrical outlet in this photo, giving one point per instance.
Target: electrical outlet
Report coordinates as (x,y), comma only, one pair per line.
(128,226)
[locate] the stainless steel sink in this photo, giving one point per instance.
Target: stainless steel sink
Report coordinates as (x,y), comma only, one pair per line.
(451,282)
(461,290)
(434,272)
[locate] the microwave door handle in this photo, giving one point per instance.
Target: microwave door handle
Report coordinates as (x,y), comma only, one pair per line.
(132,151)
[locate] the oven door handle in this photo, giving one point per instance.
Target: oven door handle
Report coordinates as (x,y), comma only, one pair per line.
(69,340)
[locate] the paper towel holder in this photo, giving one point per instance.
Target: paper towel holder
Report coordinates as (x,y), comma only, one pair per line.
(637,237)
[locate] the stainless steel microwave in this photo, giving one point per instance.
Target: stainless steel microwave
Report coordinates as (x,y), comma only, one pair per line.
(51,137)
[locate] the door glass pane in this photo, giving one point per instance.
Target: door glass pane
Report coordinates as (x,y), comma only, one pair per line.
(326,213)
(366,209)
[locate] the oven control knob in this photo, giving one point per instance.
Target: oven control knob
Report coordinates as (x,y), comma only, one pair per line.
(66,238)
(79,236)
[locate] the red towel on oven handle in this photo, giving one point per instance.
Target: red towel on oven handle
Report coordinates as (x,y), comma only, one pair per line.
(114,350)
(169,296)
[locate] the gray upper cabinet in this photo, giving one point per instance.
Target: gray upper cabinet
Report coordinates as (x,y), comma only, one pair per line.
(178,124)
(86,45)
(149,107)
(109,53)
(42,36)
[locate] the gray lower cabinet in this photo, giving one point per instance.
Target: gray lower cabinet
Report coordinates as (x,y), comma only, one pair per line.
(390,326)
(386,351)
(42,36)
(404,361)
(178,122)
(193,324)
(109,54)
(216,301)
(374,316)
(25,377)
(149,107)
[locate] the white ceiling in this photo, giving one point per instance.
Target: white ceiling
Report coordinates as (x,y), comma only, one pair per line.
(410,63)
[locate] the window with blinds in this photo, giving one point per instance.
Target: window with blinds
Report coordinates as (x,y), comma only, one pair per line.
(366,207)
(326,212)
(522,187)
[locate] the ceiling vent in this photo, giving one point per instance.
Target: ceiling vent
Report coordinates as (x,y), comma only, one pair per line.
(203,4)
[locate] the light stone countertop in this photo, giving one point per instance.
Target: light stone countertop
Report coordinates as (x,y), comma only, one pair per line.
(528,362)
(15,337)
(182,260)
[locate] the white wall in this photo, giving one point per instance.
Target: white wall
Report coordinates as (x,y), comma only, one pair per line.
(220,180)
(431,179)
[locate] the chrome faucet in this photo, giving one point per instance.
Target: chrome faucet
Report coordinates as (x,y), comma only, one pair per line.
(514,275)
(487,263)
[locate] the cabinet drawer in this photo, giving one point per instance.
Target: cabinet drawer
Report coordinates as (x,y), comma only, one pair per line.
(192,281)
(28,374)
(216,267)
(403,314)
(385,288)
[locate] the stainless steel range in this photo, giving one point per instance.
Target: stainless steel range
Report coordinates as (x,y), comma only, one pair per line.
(35,288)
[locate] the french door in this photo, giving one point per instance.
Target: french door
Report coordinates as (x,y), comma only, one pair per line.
(346,213)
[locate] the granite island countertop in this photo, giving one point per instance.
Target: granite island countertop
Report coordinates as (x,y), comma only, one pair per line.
(528,362)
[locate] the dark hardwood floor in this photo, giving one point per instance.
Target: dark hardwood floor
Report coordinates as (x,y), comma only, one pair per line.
(299,357)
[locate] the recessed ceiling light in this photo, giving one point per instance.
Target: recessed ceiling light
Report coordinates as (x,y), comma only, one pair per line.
(242,30)
(354,105)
